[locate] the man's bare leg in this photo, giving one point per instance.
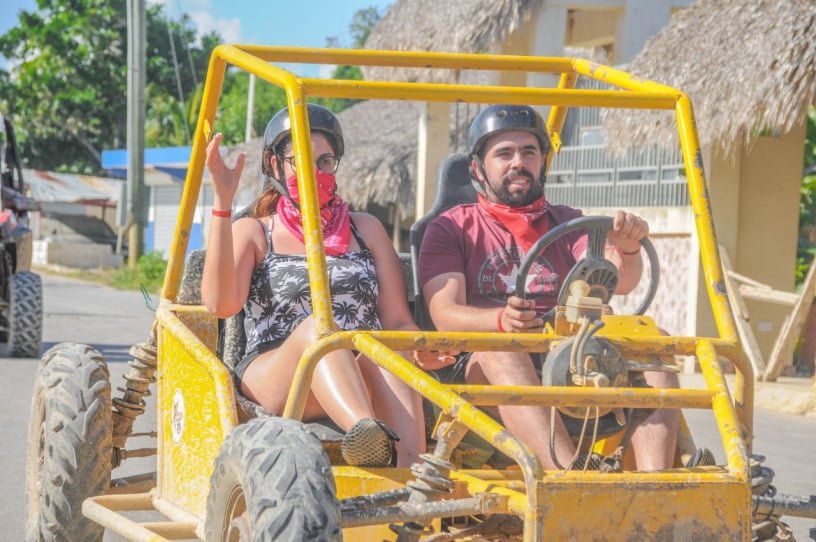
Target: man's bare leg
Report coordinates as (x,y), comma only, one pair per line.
(655,440)
(530,424)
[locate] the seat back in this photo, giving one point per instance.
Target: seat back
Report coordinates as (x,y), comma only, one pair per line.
(453,188)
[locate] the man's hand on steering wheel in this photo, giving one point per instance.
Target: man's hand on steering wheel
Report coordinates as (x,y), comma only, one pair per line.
(519,316)
(595,268)
(627,231)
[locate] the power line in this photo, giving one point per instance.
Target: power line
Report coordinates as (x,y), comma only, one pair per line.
(178,81)
(187,49)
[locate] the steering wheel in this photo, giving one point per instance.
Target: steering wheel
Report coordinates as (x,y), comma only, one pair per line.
(594,268)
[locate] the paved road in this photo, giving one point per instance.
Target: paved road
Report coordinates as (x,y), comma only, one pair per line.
(111,321)
(788,443)
(74,311)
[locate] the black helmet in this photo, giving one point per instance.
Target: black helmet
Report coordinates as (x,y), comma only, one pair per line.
(506,118)
(280,127)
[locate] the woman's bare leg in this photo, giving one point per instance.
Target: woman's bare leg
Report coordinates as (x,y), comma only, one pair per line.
(399,407)
(338,388)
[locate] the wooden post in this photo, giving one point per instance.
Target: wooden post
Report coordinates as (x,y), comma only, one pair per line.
(807,355)
(785,342)
(741,316)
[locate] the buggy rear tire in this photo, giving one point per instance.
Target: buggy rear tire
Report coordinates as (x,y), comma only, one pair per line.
(25,315)
(69,443)
(272,480)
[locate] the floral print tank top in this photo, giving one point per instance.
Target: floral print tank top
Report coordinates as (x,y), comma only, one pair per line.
(279,297)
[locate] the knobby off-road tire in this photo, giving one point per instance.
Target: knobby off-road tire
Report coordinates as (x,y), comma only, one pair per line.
(69,444)
(272,481)
(25,315)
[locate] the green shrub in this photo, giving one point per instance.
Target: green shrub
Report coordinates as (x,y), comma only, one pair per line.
(149,272)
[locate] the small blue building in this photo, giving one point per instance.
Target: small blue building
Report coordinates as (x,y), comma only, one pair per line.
(165,172)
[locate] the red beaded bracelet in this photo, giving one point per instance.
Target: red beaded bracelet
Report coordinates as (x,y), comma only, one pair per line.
(630,253)
(221,214)
(498,321)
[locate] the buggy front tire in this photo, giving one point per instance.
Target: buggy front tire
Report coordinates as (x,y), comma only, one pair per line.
(272,480)
(69,444)
(25,308)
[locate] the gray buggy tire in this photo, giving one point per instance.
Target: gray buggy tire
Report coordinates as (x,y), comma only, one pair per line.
(69,443)
(25,315)
(272,480)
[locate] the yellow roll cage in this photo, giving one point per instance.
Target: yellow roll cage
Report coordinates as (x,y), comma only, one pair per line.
(734,417)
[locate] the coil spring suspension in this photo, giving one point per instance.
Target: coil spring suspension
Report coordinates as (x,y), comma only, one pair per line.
(432,482)
(132,404)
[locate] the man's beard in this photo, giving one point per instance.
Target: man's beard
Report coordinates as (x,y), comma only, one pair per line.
(518,199)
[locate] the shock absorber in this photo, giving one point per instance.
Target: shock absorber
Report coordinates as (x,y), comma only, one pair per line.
(131,404)
(432,477)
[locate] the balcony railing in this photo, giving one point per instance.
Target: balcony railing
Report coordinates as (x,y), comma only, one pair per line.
(587,176)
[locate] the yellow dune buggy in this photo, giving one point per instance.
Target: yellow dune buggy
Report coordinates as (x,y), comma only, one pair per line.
(226,472)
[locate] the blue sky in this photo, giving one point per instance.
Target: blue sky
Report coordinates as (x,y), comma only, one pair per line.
(263,22)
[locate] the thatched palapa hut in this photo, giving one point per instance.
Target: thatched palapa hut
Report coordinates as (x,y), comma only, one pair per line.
(464,26)
(749,67)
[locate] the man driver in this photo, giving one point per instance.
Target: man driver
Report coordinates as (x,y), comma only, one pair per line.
(470,257)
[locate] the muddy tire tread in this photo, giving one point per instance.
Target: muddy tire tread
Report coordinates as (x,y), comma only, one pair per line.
(286,478)
(25,315)
(78,441)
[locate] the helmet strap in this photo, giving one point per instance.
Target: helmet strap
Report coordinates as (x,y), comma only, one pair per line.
(280,186)
(477,184)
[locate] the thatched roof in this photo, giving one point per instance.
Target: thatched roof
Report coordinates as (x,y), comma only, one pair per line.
(747,65)
(380,163)
(455,26)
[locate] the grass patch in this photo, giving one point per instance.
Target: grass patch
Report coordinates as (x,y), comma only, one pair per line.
(149,272)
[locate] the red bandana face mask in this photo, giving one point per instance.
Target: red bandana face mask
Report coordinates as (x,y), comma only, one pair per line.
(523,222)
(334,213)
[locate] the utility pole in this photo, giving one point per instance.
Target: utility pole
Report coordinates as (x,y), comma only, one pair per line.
(250,108)
(137,36)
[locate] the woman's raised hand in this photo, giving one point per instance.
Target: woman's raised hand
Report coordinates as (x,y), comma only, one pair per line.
(224,179)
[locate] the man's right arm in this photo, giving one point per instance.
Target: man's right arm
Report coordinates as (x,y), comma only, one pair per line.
(443,264)
(446,296)
(442,269)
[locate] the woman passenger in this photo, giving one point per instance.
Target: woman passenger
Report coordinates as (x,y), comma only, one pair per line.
(258,264)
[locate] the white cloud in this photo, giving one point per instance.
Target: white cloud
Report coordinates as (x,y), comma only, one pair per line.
(197,5)
(200,12)
(228,29)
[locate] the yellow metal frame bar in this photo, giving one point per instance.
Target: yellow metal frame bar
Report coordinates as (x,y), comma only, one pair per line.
(540,342)
(734,416)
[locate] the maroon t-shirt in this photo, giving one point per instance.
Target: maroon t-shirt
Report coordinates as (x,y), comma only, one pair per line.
(465,239)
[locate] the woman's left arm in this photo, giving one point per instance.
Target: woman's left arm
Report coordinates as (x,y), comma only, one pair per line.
(392,301)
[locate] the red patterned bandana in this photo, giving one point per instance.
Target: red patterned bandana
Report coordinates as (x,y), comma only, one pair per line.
(334,213)
(523,222)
